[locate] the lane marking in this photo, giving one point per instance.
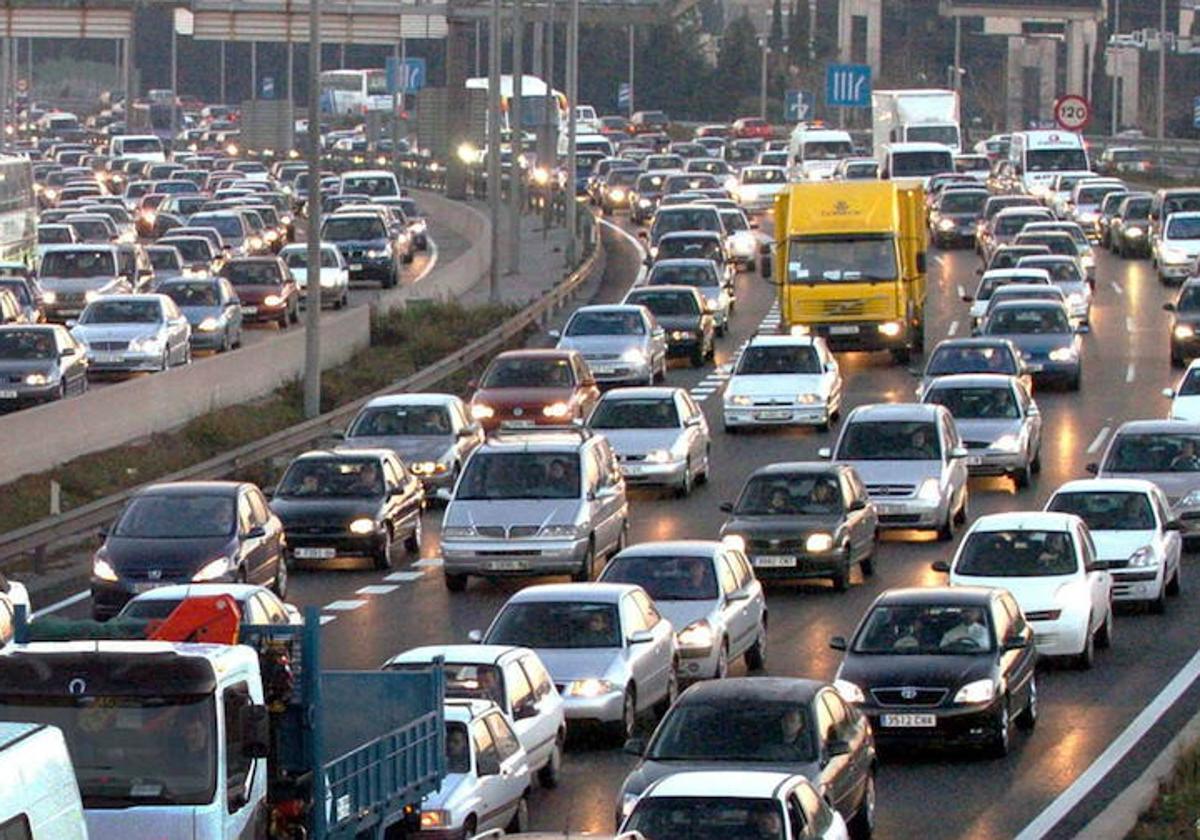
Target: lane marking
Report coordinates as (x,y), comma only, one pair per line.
(376,589)
(344,605)
(325,619)
(1117,750)
(425,563)
(1128,323)
(962,293)
(430,263)
(1129,372)
(1098,440)
(62,605)
(953,329)
(1117,288)
(405,577)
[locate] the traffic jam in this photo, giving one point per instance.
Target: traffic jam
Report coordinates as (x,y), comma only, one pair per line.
(829,367)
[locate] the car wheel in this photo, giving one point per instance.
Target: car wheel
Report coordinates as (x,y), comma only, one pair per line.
(187,353)
(1177,360)
(960,518)
(412,543)
(1175,584)
(1104,636)
(1021,478)
(1035,466)
(841,578)
(584,573)
(1087,657)
(280,585)
(165,362)
(62,390)
(383,552)
(283,320)
(548,775)
(867,564)
(1001,738)
(455,583)
(294,315)
(622,730)
(520,820)
(702,476)
(1027,720)
(1158,606)
(226,342)
(756,656)
(663,705)
(685,486)
(469,826)
(862,824)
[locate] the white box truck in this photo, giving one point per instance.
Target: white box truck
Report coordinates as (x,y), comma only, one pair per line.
(39,798)
(916,116)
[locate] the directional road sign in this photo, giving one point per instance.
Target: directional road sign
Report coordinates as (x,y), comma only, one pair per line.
(1072,112)
(848,85)
(407,76)
(799,105)
(623,96)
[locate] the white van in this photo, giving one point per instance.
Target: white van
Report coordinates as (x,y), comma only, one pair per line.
(39,798)
(813,153)
(138,147)
(376,183)
(1037,157)
(912,164)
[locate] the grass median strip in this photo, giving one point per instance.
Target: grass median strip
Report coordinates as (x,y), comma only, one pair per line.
(1176,810)
(402,343)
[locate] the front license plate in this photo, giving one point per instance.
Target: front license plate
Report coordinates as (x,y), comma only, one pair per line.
(911,721)
(518,424)
(8,395)
(249,310)
(508,565)
(356,266)
(108,357)
(314,553)
(773,415)
(633,469)
(974,460)
(843,329)
(146,587)
(773,561)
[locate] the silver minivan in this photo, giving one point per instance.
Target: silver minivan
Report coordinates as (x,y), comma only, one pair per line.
(535,502)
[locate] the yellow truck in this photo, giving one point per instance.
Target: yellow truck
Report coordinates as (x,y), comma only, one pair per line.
(849,262)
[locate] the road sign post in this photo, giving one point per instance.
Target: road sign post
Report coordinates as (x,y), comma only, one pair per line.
(1072,112)
(848,86)
(405,75)
(798,105)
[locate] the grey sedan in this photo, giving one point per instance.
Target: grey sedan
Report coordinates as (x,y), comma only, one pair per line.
(623,344)
(39,363)
(134,332)
(1166,452)
(212,309)
(1042,331)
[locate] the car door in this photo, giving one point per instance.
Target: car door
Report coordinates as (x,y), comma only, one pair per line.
(514,764)
(546,697)
(737,602)
(1016,665)
(495,804)
(1170,538)
(956,468)
(609,502)
(270,549)
(1033,417)
(689,422)
(831,377)
(837,780)
(1099,581)
(643,657)
(523,711)
(658,340)
(855,518)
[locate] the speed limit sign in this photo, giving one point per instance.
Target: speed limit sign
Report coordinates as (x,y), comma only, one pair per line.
(1072,112)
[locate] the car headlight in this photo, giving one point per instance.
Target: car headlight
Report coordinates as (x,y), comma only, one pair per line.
(818,543)
(559,532)
(255,243)
(272,300)
(945,224)
(428,467)
(1088,218)
(644,202)
(1143,557)
(376,253)
(362,526)
(557,410)
(891,329)
(589,688)
(698,634)
(1134,232)
(682,335)
(628,801)
(1063,354)
(740,399)
(452,532)
(37,379)
(980,691)
(1075,297)
(658,456)
(209,324)
(49,297)
(1184,331)
(435,819)
(850,692)
(418,226)
(617,194)
(271,236)
(930,490)
(1088,260)
(1007,443)
(146,344)
(1191,499)
(633,356)
(808,399)
(482,411)
(149,216)
(103,570)
(286,218)
(213,570)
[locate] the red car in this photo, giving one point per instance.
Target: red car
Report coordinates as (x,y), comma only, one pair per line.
(749,127)
(265,288)
(525,388)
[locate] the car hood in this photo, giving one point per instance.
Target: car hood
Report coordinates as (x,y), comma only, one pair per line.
(329,275)
(896,472)
(26,366)
(448,791)
(1191,247)
(649,770)
(75,285)
(151,821)
(1041,343)
(590,344)
(345,244)
(511,512)
(683,613)
(1118,545)
(89,333)
(781,527)
(788,385)
(410,449)
(293,511)
(640,441)
(503,397)
(1033,594)
(128,554)
(941,671)
(1186,408)
(679,322)
(987,431)
(578,663)
(196,314)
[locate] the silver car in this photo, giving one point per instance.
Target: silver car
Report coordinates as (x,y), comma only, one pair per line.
(622,343)
(912,461)
(1066,274)
(609,650)
(709,593)
(660,436)
(1166,452)
(705,276)
(535,502)
(72,276)
(133,332)
(432,434)
(1000,423)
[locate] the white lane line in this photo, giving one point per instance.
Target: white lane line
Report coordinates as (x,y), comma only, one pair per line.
(701,397)
(1128,323)
(425,563)
(376,589)
(344,606)
(404,577)
(1129,372)
(325,619)
(702,392)
(430,263)
(62,605)
(962,293)
(1116,288)
(1116,752)
(1098,440)
(953,329)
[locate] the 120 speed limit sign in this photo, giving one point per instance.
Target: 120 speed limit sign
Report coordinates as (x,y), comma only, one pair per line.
(1072,112)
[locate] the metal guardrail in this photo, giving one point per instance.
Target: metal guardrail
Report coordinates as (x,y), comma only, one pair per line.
(37,537)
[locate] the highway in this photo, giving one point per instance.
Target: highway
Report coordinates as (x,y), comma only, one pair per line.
(370,615)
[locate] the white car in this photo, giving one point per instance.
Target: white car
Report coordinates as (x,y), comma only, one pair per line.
(517,682)
(487,781)
(709,593)
(335,274)
(1185,397)
(736,804)
(259,605)
(1067,274)
(742,243)
(994,279)
(1137,539)
(1048,562)
(757,187)
(1175,251)
(783,380)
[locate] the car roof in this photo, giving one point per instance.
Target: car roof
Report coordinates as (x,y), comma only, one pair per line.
(701,784)
(937,595)
(1019,271)
(782,341)
(566,440)
(1026,520)
(463,654)
(733,689)
(593,592)
(642,392)
(239,591)
(1106,485)
(681,261)
(896,412)
(671,548)
(191,488)
(792,467)
(1030,303)
(463,710)
(425,398)
(535,353)
(344,454)
(1144,427)
(615,307)
(141,298)
(973,341)
(691,234)
(665,287)
(971,380)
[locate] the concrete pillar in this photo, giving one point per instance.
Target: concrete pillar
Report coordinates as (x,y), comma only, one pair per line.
(458,33)
(872,10)
(1126,64)
(1076,56)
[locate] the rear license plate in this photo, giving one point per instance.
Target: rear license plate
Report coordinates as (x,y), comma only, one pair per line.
(772,415)
(773,561)
(508,565)
(314,553)
(8,395)
(843,329)
(356,266)
(108,357)
(249,310)
(911,721)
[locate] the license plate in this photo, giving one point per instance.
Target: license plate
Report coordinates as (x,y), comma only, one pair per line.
(249,310)
(108,357)
(314,553)
(772,415)
(146,587)
(633,469)
(912,721)
(356,266)
(843,329)
(974,460)
(773,561)
(1034,368)
(601,368)
(8,395)
(518,424)
(508,565)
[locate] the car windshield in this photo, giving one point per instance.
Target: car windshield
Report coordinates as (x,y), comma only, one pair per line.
(599,322)
(1017,553)
(826,150)
(324,478)
(666,304)
(1060,244)
(686,218)
(114,310)
(402,421)
(1154,452)
(177,516)
(1061,270)
(192,249)
(129,751)
(770,731)
(987,403)
(458,747)
(140,145)
(22,345)
(1129,155)
(1055,160)
(256,273)
(796,494)
(989,284)
(192,294)
(913,164)
(1042,320)
(342,228)
(841,258)
(369,185)
(1135,209)
(962,201)
(1108,511)
(496,476)
(1188,228)
(894,440)
(529,372)
(766,359)
(1189,298)
(1180,203)
(1190,386)
(666,578)
(712,817)
(635,413)
(164,259)
(54,235)
(230,227)
(1094,195)
(75,263)
(925,630)
(699,275)
(1111,202)
(862,170)
(765,175)
(1012,225)
(687,247)
(550,624)
(735,220)
(298,258)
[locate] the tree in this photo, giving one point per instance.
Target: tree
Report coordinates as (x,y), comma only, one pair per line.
(798,34)
(776,40)
(739,60)
(826,36)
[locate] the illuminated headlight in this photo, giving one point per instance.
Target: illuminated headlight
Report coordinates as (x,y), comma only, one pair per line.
(272,300)
(1063,354)
(808,399)
(209,324)
(435,819)
(1075,297)
(231,149)
(427,467)
(149,216)
(589,688)
(286,219)
(802,329)
(559,532)
(418,226)
(540,176)
(558,409)
(271,236)
(634,356)
(103,570)
(644,202)
(740,399)
(617,194)
(930,490)
(1007,443)
(1190,500)
(482,411)
(945,224)
(891,329)
(698,634)
(37,379)
(980,691)
(731,184)
(362,526)
(658,456)
(682,335)
(459,532)
(849,691)
(213,570)
(254,243)
(49,297)
(1088,260)
(50,193)
(1088,218)
(377,253)
(1143,557)
(1184,331)
(146,344)
(1134,232)
(91,295)
(818,543)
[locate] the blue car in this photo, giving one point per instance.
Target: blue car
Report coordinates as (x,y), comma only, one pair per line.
(1042,331)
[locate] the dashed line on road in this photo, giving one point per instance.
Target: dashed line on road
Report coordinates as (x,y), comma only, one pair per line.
(376,589)
(1128,323)
(1098,440)
(962,293)
(345,605)
(1116,288)
(953,329)
(1129,371)
(423,563)
(405,577)
(325,619)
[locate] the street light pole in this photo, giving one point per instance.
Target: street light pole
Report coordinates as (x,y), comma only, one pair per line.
(516,130)
(572,99)
(957,84)
(1162,71)
(312,331)
(493,149)
(762,99)
(1112,67)
(631,54)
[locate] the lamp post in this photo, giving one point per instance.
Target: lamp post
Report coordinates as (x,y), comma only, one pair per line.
(312,320)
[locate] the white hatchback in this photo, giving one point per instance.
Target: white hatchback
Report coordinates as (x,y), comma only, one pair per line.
(1185,397)
(783,380)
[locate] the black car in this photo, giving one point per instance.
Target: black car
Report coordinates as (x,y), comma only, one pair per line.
(368,246)
(354,503)
(39,363)
(188,531)
(1129,228)
(647,192)
(772,724)
(680,311)
(954,216)
(1007,256)
(942,666)
(805,520)
(1185,323)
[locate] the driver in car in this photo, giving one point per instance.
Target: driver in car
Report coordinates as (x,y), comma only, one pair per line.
(970,628)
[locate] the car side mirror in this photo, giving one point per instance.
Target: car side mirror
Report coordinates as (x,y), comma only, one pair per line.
(857,505)
(72,324)
(472,383)
(269,491)
(641,234)
(1082,329)
(958,453)
(726,507)
(1169,393)
(1032,410)
(940,566)
(256,731)
(102,534)
(838,643)
(921,262)
(525,710)
(1169,307)
(67,351)
(1173,525)
(835,748)
(554,333)
(641,637)
(476,636)
(487,766)
(257,532)
(636,746)
(825,453)
(1094,469)
(968,298)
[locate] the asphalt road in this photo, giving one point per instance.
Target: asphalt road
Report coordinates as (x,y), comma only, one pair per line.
(931,796)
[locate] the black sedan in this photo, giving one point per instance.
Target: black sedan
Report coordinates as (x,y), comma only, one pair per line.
(764,723)
(339,504)
(805,520)
(682,313)
(189,531)
(39,363)
(1185,323)
(942,666)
